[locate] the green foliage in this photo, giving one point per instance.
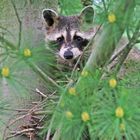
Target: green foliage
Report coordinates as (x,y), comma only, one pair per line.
(20,63)
(101,104)
(68,7)
(89,110)
(111,114)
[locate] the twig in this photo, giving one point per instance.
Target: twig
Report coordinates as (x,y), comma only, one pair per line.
(19,118)
(22,131)
(16,133)
(18,110)
(19,21)
(128,47)
(49,132)
(125,51)
(128,33)
(132,39)
(40,93)
(42,112)
(33,112)
(114,56)
(23,116)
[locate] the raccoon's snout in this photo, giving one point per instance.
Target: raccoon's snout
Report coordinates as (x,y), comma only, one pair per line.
(68,54)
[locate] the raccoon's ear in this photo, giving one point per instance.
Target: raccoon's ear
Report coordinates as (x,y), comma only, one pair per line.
(87,14)
(50,17)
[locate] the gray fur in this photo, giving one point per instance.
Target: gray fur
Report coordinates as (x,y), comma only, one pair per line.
(68,29)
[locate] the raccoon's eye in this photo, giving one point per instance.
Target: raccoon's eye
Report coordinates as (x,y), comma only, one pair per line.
(60,39)
(78,38)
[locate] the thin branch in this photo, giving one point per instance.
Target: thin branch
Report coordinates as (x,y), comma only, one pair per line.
(128,33)
(17,110)
(16,133)
(19,21)
(35,110)
(104,4)
(40,93)
(123,57)
(125,51)
(49,131)
(115,55)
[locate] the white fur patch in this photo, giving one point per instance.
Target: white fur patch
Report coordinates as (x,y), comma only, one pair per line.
(85,35)
(54,12)
(61,52)
(53,36)
(76,52)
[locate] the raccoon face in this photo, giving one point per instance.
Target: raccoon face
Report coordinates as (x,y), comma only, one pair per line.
(71,44)
(66,32)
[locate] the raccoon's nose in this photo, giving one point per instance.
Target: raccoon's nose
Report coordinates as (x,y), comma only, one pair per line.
(68,55)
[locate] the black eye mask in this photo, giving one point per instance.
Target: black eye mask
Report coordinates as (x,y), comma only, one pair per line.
(79,42)
(59,41)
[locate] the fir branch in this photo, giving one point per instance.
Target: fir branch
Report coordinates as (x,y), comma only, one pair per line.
(43,75)
(128,48)
(19,21)
(116,54)
(40,93)
(16,133)
(104,47)
(105,7)
(8,43)
(121,55)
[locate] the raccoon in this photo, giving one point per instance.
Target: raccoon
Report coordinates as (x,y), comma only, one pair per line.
(68,33)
